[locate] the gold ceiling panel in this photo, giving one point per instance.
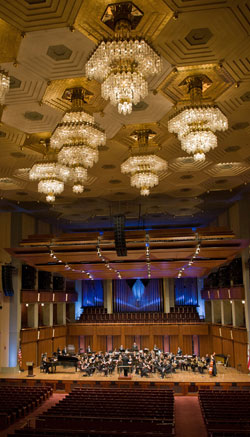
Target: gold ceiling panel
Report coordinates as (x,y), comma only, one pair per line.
(53,95)
(217,81)
(37,142)
(35,15)
(124,133)
(156,16)
(10,39)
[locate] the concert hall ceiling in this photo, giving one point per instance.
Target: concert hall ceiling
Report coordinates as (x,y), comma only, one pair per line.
(149,254)
(44,45)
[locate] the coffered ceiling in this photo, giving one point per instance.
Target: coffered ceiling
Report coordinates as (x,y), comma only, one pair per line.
(44,45)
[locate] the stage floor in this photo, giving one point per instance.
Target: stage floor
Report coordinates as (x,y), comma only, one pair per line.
(224,375)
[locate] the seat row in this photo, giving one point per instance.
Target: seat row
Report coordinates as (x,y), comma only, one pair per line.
(16,402)
(225,411)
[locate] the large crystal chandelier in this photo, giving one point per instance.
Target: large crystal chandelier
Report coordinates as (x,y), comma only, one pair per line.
(195,125)
(77,138)
(143,165)
(124,63)
(51,176)
(4,85)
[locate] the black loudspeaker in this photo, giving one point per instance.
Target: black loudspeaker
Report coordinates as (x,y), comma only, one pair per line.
(44,280)
(120,241)
(28,277)
(7,280)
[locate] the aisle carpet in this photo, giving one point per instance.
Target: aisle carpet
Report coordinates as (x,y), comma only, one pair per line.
(188,417)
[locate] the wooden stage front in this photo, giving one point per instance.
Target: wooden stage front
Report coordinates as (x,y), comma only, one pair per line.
(182,382)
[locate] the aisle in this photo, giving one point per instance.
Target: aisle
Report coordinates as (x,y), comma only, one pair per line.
(188,417)
(54,399)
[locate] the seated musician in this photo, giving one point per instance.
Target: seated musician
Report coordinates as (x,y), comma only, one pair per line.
(145,369)
(202,364)
(64,351)
(45,363)
(89,351)
(194,363)
(121,348)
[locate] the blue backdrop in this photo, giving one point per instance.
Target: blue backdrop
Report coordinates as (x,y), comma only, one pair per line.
(186,291)
(92,293)
(137,295)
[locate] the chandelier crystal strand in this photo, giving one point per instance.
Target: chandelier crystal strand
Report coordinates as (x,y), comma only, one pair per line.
(123,65)
(196,124)
(4,86)
(143,166)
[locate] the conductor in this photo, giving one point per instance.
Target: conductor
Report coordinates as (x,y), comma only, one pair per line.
(125,363)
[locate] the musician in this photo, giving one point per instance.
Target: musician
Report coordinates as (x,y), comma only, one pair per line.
(179,351)
(64,351)
(89,351)
(135,347)
(214,371)
(194,363)
(202,364)
(125,363)
(121,348)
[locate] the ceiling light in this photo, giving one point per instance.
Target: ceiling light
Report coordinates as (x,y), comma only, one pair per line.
(143,166)
(123,64)
(78,127)
(4,85)
(51,176)
(195,125)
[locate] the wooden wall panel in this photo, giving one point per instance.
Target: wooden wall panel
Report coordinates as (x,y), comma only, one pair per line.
(44,346)
(28,335)
(217,345)
(144,341)
(89,341)
(158,340)
(240,356)
(116,342)
(205,347)
(228,349)
(29,353)
(187,344)
(174,343)
(129,340)
(59,342)
(60,331)
(102,343)
(75,341)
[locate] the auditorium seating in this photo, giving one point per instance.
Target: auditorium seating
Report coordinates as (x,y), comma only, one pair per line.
(178,314)
(108,411)
(226,413)
(16,402)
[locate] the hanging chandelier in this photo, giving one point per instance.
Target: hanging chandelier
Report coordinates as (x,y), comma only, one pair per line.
(195,124)
(77,126)
(123,64)
(51,176)
(143,165)
(77,138)
(4,85)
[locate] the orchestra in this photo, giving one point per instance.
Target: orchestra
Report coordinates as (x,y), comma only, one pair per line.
(128,361)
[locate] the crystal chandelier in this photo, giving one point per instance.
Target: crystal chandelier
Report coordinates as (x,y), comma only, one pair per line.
(77,138)
(122,65)
(195,125)
(77,126)
(4,85)
(143,165)
(51,176)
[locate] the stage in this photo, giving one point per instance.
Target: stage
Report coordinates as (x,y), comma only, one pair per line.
(182,382)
